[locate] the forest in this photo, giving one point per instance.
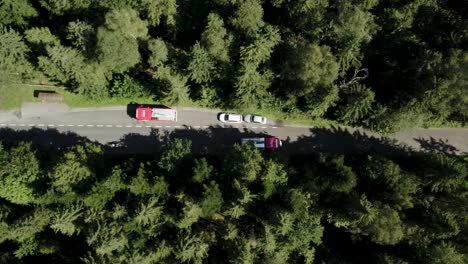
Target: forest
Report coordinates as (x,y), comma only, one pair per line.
(385,65)
(80,205)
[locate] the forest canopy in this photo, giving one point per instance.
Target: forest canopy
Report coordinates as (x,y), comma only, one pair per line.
(81,205)
(384,65)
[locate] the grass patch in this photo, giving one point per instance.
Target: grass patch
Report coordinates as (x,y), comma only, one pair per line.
(13,95)
(77,100)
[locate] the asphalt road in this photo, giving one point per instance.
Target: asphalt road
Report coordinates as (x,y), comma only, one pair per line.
(56,125)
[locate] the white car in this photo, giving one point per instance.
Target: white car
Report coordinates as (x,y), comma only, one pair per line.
(255,119)
(230,118)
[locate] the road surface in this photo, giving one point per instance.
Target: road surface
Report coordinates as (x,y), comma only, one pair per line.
(56,125)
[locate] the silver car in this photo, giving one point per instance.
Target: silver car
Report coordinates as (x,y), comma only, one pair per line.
(255,119)
(230,118)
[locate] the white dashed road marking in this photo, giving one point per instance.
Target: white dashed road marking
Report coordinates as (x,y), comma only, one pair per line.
(128,126)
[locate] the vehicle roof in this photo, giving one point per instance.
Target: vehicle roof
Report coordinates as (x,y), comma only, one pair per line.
(234,117)
(257,118)
(146,113)
(263,142)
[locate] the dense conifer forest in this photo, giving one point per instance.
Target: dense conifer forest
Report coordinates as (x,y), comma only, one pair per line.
(80,205)
(382,64)
(385,65)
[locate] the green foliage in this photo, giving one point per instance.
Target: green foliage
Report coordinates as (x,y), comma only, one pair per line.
(201,68)
(159,52)
(174,154)
(14,52)
(274,175)
(400,186)
(126,23)
(62,64)
(308,76)
(19,171)
(149,213)
(215,38)
(357,103)
(192,248)
(155,10)
(338,177)
(102,192)
(62,221)
(80,34)
(191,212)
(41,36)
(202,171)
(308,16)
(212,200)
(244,161)
(312,66)
(116,52)
(124,86)
(252,81)
(444,253)
(353,27)
(16,12)
(60,7)
(176,88)
(74,167)
(248,16)
(387,121)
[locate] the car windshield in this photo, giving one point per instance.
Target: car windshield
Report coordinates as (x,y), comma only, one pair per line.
(226,117)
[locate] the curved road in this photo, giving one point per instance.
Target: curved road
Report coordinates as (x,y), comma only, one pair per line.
(57,125)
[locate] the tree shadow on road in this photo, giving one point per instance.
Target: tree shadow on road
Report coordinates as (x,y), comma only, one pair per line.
(341,140)
(436,145)
(45,137)
(219,139)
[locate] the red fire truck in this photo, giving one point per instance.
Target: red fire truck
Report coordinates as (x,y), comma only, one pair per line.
(145,113)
